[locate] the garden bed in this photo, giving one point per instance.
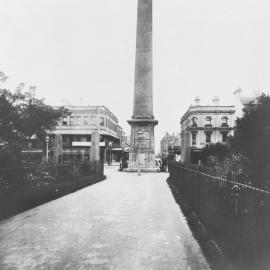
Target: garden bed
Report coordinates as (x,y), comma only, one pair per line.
(20,199)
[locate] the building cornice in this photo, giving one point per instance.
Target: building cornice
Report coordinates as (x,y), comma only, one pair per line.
(207,110)
(209,128)
(143,121)
(88,108)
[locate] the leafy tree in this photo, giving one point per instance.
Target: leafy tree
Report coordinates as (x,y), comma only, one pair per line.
(21,118)
(252,138)
(218,152)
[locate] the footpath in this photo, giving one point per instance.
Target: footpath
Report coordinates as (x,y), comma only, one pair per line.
(125,222)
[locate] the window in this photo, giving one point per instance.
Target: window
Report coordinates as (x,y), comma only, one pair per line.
(194,121)
(65,121)
(194,137)
(208,120)
(72,120)
(86,120)
(208,137)
(79,120)
(92,120)
(224,136)
(83,139)
(224,121)
(101,121)
(65,139)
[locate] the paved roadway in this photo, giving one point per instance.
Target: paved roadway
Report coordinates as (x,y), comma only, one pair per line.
(125,222)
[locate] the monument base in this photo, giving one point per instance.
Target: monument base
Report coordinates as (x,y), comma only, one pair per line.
(147,170)
(142,153)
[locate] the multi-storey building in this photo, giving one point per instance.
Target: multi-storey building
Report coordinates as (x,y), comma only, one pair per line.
(170,142)
(202,125)
(164,143)
(72,136)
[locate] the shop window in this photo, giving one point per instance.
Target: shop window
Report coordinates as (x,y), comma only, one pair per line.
(208,137)
(84,139)
(64,139)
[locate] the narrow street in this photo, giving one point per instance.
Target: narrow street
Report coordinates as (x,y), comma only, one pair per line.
(125,222)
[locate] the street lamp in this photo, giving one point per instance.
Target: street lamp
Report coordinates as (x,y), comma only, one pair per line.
(47,148)
(139,150)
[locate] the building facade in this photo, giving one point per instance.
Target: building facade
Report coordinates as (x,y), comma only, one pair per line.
(170,142)
(170,147)
(202,125)
(71,139)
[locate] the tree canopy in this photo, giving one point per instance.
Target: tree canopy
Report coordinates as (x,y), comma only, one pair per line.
(248,151)
(22,117)
(218,150)
(252,136)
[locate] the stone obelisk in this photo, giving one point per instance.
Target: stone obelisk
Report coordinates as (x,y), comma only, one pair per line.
(142,144)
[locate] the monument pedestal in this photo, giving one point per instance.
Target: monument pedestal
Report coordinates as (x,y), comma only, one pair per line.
(142,149)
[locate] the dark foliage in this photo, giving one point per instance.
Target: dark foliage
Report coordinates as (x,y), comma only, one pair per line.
(40,184)
(252,138)
(20,119)
(237,216)
(216,152)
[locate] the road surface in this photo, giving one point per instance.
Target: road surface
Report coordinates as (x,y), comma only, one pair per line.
(125,222)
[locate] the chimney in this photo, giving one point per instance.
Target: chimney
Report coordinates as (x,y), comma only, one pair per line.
(197,101)
(216,101)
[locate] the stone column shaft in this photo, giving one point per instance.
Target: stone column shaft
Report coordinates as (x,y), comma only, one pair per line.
(94,151)
(143,86)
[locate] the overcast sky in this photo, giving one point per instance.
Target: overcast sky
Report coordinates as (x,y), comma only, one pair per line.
(85,49)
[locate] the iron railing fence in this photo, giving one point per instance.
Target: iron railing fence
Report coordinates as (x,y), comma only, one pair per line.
(236,213)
